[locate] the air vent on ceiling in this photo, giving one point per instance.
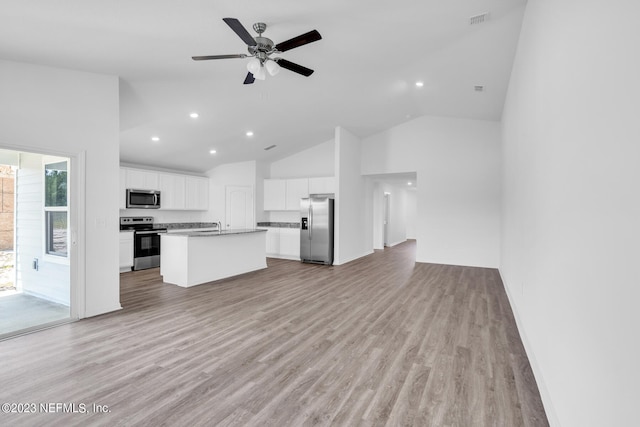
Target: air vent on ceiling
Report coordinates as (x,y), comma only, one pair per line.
(478,88)
(478,19)
(269,147)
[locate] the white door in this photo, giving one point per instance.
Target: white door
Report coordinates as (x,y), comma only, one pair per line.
(239,207)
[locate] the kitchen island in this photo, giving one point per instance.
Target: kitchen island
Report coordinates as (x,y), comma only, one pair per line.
(197,257)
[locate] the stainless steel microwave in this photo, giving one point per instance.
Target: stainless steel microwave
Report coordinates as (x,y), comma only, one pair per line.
(143,199)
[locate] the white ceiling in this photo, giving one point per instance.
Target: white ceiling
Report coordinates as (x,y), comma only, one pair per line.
(365,66)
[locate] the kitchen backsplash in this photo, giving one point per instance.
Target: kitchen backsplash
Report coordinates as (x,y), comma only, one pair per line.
(279,224)
(160,216)
(283,216)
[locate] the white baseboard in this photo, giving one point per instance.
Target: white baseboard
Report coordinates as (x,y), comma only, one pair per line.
(549,409)
(340,262)
(390,245)
(102,310)
(291,258)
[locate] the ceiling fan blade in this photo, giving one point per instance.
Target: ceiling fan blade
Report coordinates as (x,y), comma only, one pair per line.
(239,29)
(310,37)
(249,79)
(294,67)
(203,58)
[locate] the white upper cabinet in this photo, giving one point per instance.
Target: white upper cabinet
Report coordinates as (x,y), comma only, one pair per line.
(172,191)
(275,194)
(177,191)
(141,179)
(296,190)
(322,185)
(285,194)
(197,193)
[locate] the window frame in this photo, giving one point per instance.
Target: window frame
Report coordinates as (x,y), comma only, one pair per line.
(59,258)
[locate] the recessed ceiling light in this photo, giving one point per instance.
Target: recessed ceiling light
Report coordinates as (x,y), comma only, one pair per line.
(194,115)
(155,138)
(249,133)
(409,183)
(419,84)
(212,151)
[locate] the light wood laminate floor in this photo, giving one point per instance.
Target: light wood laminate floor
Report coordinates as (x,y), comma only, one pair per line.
(379,341)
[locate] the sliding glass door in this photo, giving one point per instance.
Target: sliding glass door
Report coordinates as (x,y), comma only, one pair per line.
(38,260)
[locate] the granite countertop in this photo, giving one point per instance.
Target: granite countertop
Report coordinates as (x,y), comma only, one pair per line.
(279,224)
(216,233)
(186,225)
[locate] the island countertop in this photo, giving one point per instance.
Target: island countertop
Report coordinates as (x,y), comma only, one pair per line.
(189,259)
(210,233)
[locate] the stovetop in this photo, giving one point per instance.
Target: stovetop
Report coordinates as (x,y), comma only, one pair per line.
(139,223)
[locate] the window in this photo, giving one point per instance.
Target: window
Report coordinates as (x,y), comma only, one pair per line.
(56,211)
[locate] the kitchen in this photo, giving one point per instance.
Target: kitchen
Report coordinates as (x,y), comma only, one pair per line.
(281,211)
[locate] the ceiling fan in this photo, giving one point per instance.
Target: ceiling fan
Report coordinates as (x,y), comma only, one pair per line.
(260,48)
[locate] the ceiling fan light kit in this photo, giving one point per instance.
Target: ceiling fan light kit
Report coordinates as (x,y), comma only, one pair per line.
(272,67)
(260,50)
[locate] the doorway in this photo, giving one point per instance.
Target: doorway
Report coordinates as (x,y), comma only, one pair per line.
(35,220)
(394,208)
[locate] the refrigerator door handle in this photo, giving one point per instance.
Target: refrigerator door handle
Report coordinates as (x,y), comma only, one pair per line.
(310,219)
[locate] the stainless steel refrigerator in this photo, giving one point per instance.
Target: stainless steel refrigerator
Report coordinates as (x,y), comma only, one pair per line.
(316,229)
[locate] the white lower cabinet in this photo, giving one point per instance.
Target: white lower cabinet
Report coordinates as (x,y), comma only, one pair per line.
(126,251)
(283,243)
(290,243)
(273,242)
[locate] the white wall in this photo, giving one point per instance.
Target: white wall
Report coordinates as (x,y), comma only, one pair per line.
(458,166)
(241,173)
(315,161)
(353,205)
(262,172)
(51,281)
(571,229)
(72,113)
(411,213)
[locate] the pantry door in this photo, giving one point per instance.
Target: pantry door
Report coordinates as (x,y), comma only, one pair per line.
(239,207)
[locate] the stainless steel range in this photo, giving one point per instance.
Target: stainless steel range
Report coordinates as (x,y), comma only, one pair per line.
(146,240)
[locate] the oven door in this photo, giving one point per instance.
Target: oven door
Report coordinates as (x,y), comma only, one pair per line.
(146,250)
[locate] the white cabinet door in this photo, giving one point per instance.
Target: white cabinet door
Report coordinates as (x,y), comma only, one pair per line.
(142,179)
(197,193)
(274,194)
(296,190)
(122,200)
(290,243)
(126,250)
(322,185)
(172,191)
(273,241)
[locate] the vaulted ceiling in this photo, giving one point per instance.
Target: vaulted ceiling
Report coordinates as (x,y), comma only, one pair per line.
(366,66)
